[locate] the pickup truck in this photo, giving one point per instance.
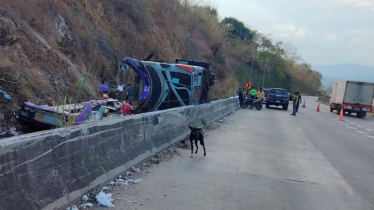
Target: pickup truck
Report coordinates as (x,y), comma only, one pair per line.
(277,97)
(352,97)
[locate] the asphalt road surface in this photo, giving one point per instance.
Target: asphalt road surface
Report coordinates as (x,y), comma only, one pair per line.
(266,160)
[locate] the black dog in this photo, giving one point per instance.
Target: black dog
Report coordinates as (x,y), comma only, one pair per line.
(197,136)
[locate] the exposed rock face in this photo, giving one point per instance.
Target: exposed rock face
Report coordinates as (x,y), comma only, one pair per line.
(64,33)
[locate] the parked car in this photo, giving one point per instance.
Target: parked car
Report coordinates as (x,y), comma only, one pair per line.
(277,97)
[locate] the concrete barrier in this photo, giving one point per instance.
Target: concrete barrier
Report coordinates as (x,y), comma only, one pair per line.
(52,169)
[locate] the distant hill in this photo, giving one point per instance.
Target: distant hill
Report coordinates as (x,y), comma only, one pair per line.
(341,72)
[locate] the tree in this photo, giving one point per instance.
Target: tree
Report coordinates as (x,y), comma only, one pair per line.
(237,28)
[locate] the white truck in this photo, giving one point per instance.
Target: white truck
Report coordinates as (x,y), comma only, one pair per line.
(352,97)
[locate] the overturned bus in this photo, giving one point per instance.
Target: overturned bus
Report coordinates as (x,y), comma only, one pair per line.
(161,86)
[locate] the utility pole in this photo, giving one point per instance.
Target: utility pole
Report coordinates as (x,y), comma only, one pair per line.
(263,76)
(252,66)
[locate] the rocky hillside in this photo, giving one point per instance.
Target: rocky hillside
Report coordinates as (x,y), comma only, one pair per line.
(48,46)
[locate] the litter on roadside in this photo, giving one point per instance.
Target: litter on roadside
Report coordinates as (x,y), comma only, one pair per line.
(72,208)
(104,199)
(8,134)
(87,205)
(135,181)
(121,182)
(85,198)
(146,165)
(134,169)
(106,188)
(155,160)
(6,95)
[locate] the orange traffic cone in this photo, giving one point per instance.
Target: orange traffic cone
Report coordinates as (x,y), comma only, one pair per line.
(304,104)
(317,108)
(341,115)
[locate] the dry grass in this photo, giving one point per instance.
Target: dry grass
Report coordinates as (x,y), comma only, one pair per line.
(131,28)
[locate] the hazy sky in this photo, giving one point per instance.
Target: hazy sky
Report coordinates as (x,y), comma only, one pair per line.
(323,31)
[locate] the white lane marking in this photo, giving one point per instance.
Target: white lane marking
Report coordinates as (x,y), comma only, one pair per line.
(371,137)
(363,132)
(360,126)
(369,130)
(351,127)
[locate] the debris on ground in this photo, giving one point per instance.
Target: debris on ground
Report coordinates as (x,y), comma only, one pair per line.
(155,160)
(72,208)
(146,165)
(12,132)
(6,95)
(106,188)
(126,108)
(134,169)
(104,199)
(47,117)
(121,182)
(135,181)
(85,198)
(87,205)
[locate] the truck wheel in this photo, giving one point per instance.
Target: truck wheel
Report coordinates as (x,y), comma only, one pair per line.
(338,111)
(331,109)
(361,114)
(267,106)
(285,107)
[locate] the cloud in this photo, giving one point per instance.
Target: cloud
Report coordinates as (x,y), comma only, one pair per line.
(284,27)
(361,32)
(361,3)
(331,37)
(359,35)
(301,32)
(289,31)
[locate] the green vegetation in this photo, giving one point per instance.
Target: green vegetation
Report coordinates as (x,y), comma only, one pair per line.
(61,120)
(280,67)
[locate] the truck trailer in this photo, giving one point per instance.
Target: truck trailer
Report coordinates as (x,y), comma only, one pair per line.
(352,97)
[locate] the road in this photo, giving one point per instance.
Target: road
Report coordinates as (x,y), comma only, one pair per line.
(267,160)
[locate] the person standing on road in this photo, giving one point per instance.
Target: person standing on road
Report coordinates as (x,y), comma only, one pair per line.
(253,93)
(295,102)
(241,95)
(260,94)
(298,104)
